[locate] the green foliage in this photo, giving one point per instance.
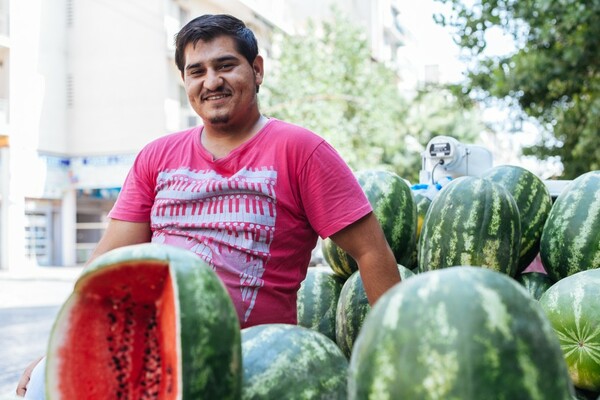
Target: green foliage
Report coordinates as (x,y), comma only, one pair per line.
(327,82)
(553,75)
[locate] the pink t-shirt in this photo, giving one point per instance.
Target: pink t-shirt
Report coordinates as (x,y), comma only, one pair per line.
(254,215)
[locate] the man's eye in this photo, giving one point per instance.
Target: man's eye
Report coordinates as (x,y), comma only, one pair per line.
(225,67)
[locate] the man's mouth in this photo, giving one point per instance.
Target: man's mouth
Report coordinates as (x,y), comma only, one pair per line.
(213,97)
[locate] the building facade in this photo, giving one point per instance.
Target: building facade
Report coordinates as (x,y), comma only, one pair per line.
(85,84)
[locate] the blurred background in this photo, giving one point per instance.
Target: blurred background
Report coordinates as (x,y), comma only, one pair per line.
(84,84)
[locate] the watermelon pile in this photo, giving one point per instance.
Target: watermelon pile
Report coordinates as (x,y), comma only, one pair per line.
(506,222)
(471,319)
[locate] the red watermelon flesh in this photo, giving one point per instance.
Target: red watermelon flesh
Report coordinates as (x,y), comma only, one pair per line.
(124,328)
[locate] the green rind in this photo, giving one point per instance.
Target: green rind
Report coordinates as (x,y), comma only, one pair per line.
(422,203)
(534,202)
(340,262)
(572,306)
(457,333)
(570,240)
(210,333)
(291,362)
(317,300)
(394,206)
(472,221)
(208,325)
(352,308)
(536,283)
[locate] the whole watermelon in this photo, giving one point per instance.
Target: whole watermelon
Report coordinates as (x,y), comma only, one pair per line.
(394,206)
(570,240)
(146,321)
(472,221)
(536,283)
(352,308)
(534,202)
(291,362)
(573,308)
(317,300)
(457,333)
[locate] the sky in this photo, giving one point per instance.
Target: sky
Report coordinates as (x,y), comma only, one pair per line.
(428,43)
(431,44)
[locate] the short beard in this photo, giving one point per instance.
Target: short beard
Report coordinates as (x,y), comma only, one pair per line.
(223,119)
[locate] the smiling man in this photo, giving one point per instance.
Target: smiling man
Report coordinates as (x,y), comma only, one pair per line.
(248,194)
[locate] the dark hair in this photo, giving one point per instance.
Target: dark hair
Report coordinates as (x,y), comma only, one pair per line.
(207,27)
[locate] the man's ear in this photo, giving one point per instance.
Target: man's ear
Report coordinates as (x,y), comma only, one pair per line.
(259,70)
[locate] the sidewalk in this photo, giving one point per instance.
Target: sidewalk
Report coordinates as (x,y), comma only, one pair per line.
(35,286)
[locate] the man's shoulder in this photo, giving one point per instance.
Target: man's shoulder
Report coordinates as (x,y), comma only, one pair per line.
(171,140)
(288,130)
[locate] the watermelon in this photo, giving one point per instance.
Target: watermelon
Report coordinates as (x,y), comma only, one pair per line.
(422,203)
(352,308)
(394,206)
(458,333)
(581,394)
(534,202)
(570,240)
(536,283)
(573,308)
(472,221)
(146,321)
(317,300)
(291,362)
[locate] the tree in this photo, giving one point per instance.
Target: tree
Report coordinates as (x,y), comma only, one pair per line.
(327,81)
(552,76)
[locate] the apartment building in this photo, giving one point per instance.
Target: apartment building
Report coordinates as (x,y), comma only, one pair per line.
(84,84)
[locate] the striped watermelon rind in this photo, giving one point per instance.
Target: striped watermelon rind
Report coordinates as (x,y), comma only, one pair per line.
(572,306)
(534,202)
(422,203)
(536,283)
(394,206)
(352,308)
(570,241)
(317,300)
(472,221)
(282,361)
(457,333)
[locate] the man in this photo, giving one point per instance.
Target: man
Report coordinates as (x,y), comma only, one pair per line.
(247,193)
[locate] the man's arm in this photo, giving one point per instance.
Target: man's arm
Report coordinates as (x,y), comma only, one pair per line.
(365,242)
(119,234)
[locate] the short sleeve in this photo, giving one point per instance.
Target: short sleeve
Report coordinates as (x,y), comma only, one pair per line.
(330,193)
(136,197)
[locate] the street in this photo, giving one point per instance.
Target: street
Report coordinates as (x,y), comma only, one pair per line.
(30,298)
(23,334)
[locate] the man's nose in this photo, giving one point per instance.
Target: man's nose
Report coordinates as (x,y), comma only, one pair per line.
(213,80)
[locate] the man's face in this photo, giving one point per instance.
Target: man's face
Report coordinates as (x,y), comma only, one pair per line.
(220,83)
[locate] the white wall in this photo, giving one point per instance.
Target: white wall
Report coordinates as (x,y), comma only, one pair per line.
(117,52)
(51,65)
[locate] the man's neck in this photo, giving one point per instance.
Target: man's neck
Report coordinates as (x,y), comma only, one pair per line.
(220,142)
